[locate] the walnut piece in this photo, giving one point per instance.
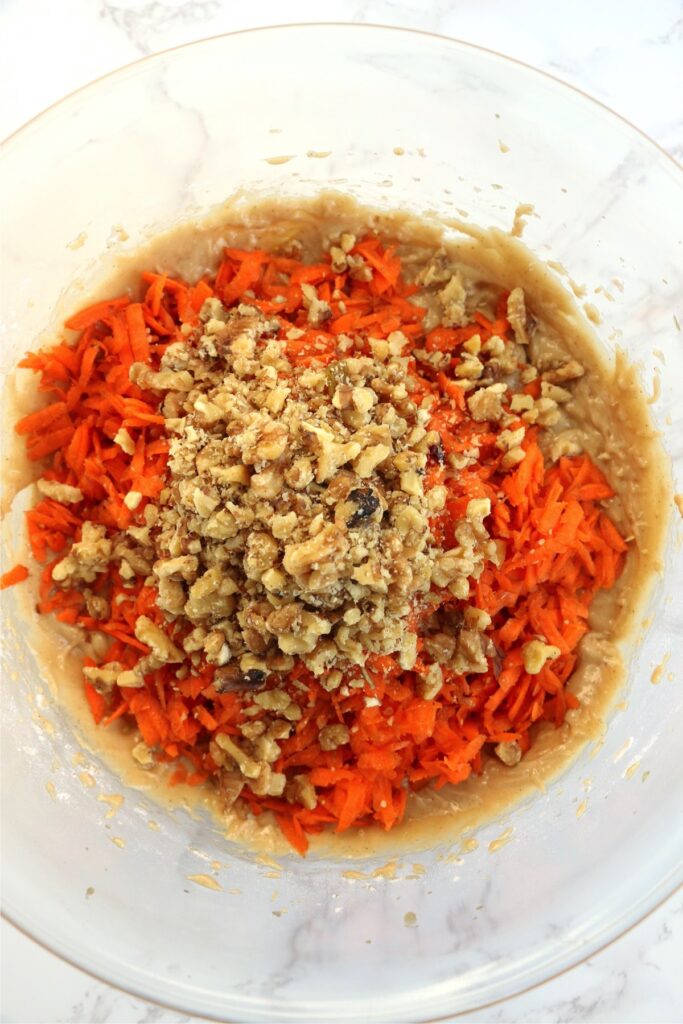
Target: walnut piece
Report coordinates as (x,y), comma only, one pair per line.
(283,517)
(333,736)
(486,403)
(65,493)
(509,753)
(163,648)
(87,557)
(536,653)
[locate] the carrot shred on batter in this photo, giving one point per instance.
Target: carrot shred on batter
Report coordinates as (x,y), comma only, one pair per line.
(15,575)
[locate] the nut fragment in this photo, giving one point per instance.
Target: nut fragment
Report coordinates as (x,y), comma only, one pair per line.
(510,753)
(87,557)
(162,646)
(249,766)
(371,457)
(184,566)
(512,458)
(123,439)
(333,736)
(429,685)
(571,370)
(486,404)
(318,310)
(143,755)
(103,677)
(535,653)
(324,547)
(300,790)
(516,313)
(65,493)
(452,298)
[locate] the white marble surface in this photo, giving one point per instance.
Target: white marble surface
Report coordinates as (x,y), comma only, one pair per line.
(625,52)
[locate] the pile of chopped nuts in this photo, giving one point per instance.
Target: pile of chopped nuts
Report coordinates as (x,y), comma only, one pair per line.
(296,521)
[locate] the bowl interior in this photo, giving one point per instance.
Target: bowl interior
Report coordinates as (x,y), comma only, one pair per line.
(396,119)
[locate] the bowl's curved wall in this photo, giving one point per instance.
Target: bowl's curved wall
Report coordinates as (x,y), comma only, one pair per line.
(425,123)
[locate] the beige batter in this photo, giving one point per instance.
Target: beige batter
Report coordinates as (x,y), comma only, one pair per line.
(608,416)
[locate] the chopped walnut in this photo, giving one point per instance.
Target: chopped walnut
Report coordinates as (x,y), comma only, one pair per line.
(510,753)
(123,439)
(87,557)
(440,646)
(555,392)
(452,299)
(161,645)
(248,766)
(536,653)
(486,403)
(333,736)
(546,412)
(65,493)
(254,759)
(268,782)
(469,367)
(565,443)
(171,596)
(470,655)
(273,700)
(571,370)
(318,310)
(509,439)
(367,462)
(407,655)
(475,618)
(437,271)
(512,458)
(517,315)
(103,677)
(134,678)
(429,685)
(230,784)
(98,607)
(183,566)
(326,546)
(143,755)
(300,790)
(521,403)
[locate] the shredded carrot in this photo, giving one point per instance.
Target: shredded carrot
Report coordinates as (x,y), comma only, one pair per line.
(104,434)
(96,701)
(15,575)
(137,332)
(98,311)
(41,419)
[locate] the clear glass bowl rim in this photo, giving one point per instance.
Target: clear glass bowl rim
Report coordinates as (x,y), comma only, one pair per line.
(669,886)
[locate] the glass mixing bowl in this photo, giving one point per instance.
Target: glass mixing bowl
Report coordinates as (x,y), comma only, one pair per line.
(407,120)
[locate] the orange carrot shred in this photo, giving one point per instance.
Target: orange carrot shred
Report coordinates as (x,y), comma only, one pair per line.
(15,575)
(137,332)
(92,314)
(96,701)
(40,420)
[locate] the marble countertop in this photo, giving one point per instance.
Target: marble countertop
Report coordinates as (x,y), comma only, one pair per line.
(626,53)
